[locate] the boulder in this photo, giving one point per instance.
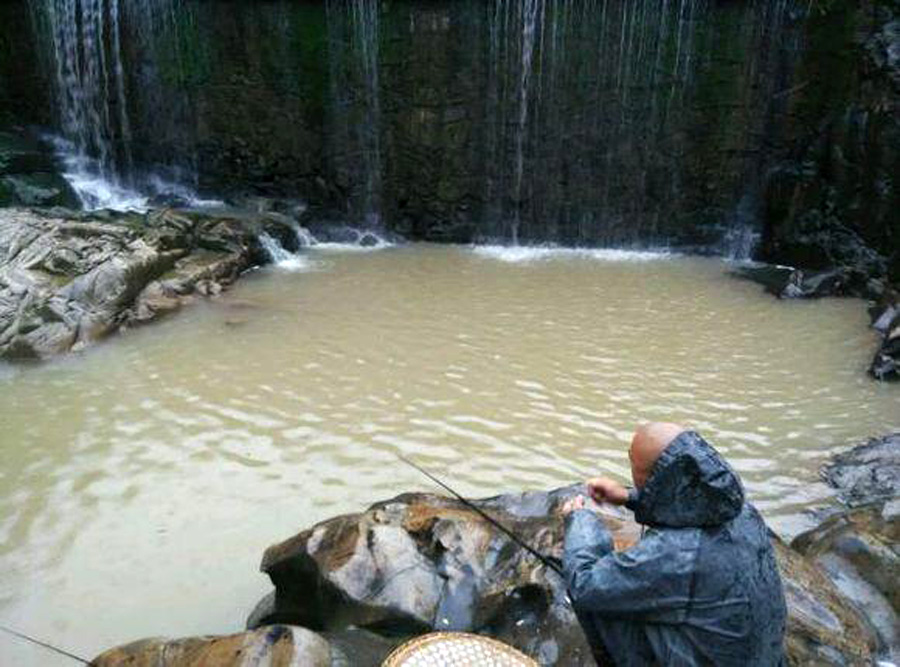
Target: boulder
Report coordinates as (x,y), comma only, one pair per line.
(421,562)
(274,646)
(867,473)
(68,279)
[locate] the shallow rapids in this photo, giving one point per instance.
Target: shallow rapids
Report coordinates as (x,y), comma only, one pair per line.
(143,479)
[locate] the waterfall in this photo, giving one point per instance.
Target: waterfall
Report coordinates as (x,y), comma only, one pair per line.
(89,83)
(355,136)
(530,9)
(95,94)
(279,256)
(619,123)
(565,77)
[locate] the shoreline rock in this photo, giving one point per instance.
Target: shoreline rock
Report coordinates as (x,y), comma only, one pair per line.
(859,547)
(69,279)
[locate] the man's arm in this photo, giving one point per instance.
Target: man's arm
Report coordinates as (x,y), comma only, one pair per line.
(651,580)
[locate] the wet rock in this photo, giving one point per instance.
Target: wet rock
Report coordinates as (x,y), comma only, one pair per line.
(276,646)
(859,548)
(69,279)
(788,283)
(886,364)
(867,473)
(420,562)
(860,552)
(842,281)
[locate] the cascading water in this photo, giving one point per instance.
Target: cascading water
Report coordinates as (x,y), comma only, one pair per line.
(278,255)
(356,103)
(634,67)
(89,85)
(529,10)
(86,55)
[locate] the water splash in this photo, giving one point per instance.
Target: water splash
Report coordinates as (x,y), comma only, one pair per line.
(305,239)
(279,256)
(351,239)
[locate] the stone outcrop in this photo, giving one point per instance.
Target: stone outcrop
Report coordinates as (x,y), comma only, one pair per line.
(420,562)
(68,279)
(859,548)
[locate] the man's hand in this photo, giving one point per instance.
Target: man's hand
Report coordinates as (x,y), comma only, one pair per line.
(572,504)
(606,490)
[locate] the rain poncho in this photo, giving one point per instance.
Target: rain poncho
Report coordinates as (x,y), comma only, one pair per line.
(702,585)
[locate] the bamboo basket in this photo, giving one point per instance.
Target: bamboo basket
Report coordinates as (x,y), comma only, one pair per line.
(456,649)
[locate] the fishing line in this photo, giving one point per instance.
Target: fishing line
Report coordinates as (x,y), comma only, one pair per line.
(45,645)
(546,560)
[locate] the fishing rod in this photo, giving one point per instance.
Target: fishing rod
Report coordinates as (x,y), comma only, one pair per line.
(45,645)
(549,561)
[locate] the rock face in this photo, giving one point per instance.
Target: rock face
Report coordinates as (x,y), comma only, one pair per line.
(420,562)
(860,548)
(831,201)
(67,280)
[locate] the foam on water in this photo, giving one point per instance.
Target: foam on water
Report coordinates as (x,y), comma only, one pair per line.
(523,254)
(357,240)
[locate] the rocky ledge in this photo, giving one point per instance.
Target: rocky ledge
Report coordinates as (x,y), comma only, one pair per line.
(68,279)
(422,562)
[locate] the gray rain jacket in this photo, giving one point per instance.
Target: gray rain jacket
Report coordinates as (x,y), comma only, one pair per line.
(700,588)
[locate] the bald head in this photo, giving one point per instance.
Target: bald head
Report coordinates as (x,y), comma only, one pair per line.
(648,443)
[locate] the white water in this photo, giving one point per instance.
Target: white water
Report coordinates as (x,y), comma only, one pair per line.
(517,254)
(286,260)
(282,258)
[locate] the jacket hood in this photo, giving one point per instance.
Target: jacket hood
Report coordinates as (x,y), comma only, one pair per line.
(690,485)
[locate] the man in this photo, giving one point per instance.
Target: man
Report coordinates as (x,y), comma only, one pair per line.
(701,587)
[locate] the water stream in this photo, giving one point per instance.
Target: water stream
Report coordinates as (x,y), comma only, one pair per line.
(143,478)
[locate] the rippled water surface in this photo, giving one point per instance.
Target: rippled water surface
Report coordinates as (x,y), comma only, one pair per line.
(142,480)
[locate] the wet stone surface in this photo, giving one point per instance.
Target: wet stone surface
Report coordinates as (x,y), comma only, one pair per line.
(68,279)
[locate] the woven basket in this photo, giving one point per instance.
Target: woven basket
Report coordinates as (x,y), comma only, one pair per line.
(456,649)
